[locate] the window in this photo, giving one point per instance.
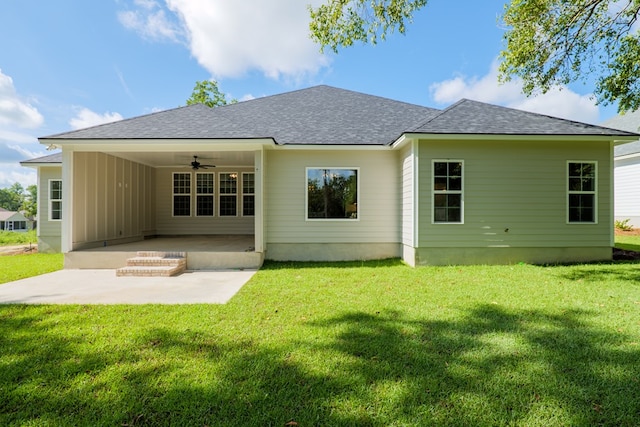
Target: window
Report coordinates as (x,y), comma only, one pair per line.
(204,194)
(582,192)
(181,194)
(447,192)
(248,193)
(228,193)
(55,199)
(332,193)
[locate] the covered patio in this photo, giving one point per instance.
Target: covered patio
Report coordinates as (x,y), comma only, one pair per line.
(208,252)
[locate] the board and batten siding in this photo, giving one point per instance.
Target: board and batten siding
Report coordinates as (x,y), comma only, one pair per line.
(379,198)
(515,195)
(113,199)
(49,232)
(168,225)
(627,190)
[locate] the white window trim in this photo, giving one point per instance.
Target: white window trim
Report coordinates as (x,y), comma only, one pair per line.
(212,195)
(306,195)
(220,194)
(51,200)
(173,194)
(248,194)
(434,192)
(594,192)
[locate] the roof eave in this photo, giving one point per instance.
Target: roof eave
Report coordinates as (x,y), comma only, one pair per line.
(617,139)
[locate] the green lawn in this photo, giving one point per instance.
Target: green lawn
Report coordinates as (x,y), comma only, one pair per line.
(8,238)
(630,243)
(14,267)
(352,344)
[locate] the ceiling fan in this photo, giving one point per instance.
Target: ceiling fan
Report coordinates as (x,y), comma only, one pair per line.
(195,164)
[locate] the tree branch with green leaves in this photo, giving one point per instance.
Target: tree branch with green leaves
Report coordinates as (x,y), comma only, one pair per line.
(547,43)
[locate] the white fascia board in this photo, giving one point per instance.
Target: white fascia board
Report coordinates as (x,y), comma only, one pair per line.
(332,147)
(627,156)
(512,137)
(159,145)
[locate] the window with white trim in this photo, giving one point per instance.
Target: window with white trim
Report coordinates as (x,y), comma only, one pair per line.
(448,192)
(248,193)
(181,194)
(332,193)
(55,199)
(205,185)
(582,196)
(228,197)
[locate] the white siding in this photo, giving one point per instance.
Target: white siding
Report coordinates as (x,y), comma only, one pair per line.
(379,199)
(515,195)
(49,232)
(408,195)
(627,190)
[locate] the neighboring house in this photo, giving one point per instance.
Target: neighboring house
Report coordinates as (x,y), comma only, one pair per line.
(330,174)
(627,170)
(14,221)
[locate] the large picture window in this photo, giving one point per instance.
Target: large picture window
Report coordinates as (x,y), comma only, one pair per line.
(55,199)
(205,185)
(582,186)
(448,192)
(181,194)
(248,194)
(228,193)
(332,193)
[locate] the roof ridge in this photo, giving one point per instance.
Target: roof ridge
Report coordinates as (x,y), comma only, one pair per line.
(439,114)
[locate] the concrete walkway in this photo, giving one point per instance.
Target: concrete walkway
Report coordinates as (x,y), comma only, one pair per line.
(103,287)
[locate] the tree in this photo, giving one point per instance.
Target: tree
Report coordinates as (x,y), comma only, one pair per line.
(30,202)
(11,198)
(547,42)
(206,92)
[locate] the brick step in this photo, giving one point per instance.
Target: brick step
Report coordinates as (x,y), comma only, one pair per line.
(154,264)
(155,261)
(147,271)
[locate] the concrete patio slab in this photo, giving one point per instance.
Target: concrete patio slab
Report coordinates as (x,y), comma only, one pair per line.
(103,287)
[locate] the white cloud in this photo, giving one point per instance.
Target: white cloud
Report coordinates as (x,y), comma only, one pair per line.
(14,110)
(86,118)
(231,38)
(559,102)
(11,174)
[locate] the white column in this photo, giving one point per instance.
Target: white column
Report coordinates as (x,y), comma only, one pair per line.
(67,200)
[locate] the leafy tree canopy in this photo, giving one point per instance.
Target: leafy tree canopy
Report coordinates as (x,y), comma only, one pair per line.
(12,198)
(547,42)
(207,92)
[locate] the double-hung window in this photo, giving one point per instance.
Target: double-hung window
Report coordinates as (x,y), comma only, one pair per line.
(205,185)
(55,199)
(332,193)
(248,193)
(182,194)
(228,182)
(582,195)
(448,194)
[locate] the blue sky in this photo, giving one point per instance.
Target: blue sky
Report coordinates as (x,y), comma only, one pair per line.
(69,64)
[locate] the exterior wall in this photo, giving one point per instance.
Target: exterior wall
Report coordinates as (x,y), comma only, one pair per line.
(113,200)
(167,224)
(49,232)
(376,233)
(515,196)
(627,194)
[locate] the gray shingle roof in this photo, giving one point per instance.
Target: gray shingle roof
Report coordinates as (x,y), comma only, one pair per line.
(51,158)
(478,118)
(317,115)
(629,122)
(330,116)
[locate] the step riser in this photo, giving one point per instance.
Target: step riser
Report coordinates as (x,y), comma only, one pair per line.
(154,264)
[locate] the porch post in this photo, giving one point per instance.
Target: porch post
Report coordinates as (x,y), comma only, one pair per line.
(258,164)
(66,239)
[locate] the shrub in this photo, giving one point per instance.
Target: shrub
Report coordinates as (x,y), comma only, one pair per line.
(623,224)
